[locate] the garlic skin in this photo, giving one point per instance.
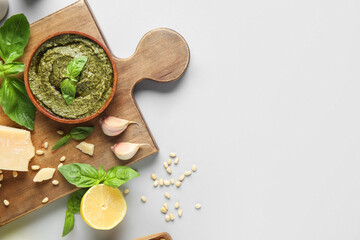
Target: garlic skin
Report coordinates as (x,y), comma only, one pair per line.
(126,150)
(113,126)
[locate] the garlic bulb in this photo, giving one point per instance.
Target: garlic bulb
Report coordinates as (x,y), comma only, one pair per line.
(4,5)
(126,150)
(113,126)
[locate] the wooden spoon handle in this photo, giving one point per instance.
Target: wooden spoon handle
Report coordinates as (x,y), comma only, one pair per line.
(162,55)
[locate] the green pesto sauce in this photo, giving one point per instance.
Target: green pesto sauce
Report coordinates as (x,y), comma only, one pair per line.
(48,69)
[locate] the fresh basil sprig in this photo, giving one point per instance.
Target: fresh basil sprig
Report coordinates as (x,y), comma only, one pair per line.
(85,176)
(14,36)
(77,133)
(73,206)
(68,87)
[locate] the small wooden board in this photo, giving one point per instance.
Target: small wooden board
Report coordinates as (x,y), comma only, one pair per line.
(162,55)
(157,236)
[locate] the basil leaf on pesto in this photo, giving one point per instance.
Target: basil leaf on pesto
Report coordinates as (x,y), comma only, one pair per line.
(68,90)
(16,103)
(75,67)
(14,35)
(80,133)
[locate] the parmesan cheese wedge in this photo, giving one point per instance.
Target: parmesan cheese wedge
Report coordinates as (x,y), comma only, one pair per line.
(87,148)
(44,174)
(16,149)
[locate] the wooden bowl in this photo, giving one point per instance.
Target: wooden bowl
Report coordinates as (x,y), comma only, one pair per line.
(47,112)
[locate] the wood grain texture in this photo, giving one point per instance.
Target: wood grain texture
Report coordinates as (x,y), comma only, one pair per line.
(162,55)
(157,236)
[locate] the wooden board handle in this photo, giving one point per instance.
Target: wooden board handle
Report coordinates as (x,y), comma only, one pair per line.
(162,55)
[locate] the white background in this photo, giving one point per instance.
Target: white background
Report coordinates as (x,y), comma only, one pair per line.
(268,109)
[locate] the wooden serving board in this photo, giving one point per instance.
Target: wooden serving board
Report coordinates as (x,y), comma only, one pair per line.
(157,236)
(162,55)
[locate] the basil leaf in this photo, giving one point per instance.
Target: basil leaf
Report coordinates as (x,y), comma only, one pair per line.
(80,133)
(16,103)
(119,175)
(69,223)
(75,67)
(101,173)
(68,90)
(62,142)
(74,201)
(80,174)
(13,68)
(14,35)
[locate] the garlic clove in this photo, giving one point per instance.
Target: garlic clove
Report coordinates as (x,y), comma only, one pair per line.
(126,150)
(113,126)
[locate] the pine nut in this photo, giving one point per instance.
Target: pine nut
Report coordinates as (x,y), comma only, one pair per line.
(35,167)
(167,183)
(167,195)
(172,155)
(165,165)
(169,162)
(6,203)
(143,199)
(187,173)
(1,177)
(15,174)
(126,191)
(194,168)
(198,206)
(45,200)
(169,170)
(172,217)
(177,205)
(163,210)
(46,145)
(60,132)
(0,185)
(178,184)
(39,152)
(161,182)
(181,178)
(62,159)
(153,176)
(172,181)
(167,218)
(156,183)
(166,206)
(176,161)
(180,212)
(55,182)
(60,165)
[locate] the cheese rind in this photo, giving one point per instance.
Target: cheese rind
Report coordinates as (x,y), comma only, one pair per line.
(44,174)
(16,149)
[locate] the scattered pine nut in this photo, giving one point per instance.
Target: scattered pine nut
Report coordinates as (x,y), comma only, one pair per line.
(165,165)
(187,173)
(167,195)
(178,184)
(172,155)
(169,162)
(194,168)
(176,161)
(1,177)
(15,174)
(169,170)
(156,183)
(177,205)
(6,203)
(60,132)
(35,167)
(181,178)
(172,217)
(161,182)
(126,191)
(39,152)
(153,176)
(167,183)
(60,165)
(55,182)
(143,199)
(62,159)
(166,206)
(45,200)
(167,218)
(180,212)
(172,181)
(0,185)
(46,145)
(163,210)
(198,206)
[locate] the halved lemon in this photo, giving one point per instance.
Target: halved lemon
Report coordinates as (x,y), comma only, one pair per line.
(103,207)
